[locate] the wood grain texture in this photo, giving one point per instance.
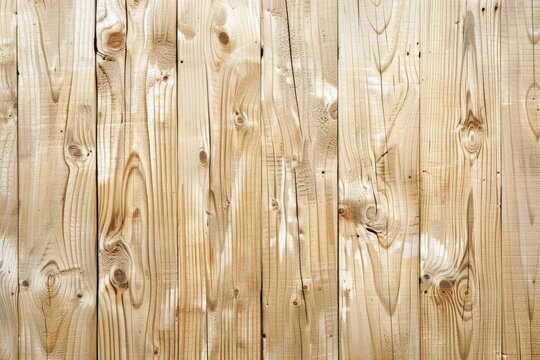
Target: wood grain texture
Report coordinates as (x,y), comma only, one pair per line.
(8,181)
(194,38)
(138,296)
(233,263)
(378,179)
(299,106)
(520,102)
(460,181)
(57,178)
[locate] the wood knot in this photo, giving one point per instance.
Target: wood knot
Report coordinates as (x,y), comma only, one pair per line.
(79,296)
(426,277)
(295,303)
(203,157)
(333,110)
(75,151)
(25,283)
(224,38)
(471,136)
(240,120)
(445,286)
(120,278)
(116,41)
(305,288)
(156,351)
(236,292)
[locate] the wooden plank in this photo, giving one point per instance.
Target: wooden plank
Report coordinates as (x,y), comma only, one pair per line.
(378,179)
(8,181)
(460,187)
(194,37)
(57,168)
(520,101)
(232,264)
(299,100)
(137,179)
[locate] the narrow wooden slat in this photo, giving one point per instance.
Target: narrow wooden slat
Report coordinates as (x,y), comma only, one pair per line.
(233,260)
(194,38)
(299,99)
(57,172)
(520,128)
(8,181)
(460,185)
(137,179)
(378,179)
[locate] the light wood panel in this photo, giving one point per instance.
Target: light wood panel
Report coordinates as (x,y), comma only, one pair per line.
(57,180)
(138,294)
(299,99)
(378,179)
(194,39)
(460,181)
(8,181)
(233,261)
(520,114)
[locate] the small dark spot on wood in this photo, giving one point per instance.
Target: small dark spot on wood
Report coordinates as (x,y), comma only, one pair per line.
(262,52)
(425,291)
(323,172)
(426,277)
(419,54)
(120,276)
(305,288)
(25,283)
(79,296)
(236,291)
(264,336)
(240,120)
(181,61)
(224,38)
(203,157)
(496,7)
(483,9)
(295,303)
(341,210)
(166,77)
(407,53)
(156,351)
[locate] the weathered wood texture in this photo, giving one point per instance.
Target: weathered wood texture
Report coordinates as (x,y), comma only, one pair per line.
(460,222)
(57,180)
(520,129)
(8,181)
(138,290)
(378,179)
(299,106)
(178,181)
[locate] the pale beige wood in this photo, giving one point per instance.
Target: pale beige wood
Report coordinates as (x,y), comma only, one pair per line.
(460,221)
(299,100)
(378,179)
(194,38)
(57,172)
(520,129)
(8,181)
(137,179)
(233,261)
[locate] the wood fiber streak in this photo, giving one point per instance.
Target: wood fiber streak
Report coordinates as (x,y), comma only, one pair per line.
(460,180)
(520,122)
(299,107)
(8,181)
(137,138)
(378,179)
(233,260)
(57,180)
(194,39)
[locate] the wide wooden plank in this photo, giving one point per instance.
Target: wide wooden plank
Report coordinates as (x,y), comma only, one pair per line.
(194,38)
(460,182)
(8,181)
(57,172)
(378,179)
(138,290)
(299,100)
(233,260)
(520,126)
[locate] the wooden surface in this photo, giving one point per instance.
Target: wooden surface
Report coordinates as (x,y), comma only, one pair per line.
(57,180)
(278,179)
(8,180)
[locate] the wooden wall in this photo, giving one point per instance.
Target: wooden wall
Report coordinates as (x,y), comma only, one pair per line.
(279,179)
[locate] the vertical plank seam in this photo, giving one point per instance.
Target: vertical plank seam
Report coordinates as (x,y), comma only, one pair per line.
(338,220)
(261,252)
(97,174)
(501,179)
(419,175)
(17,172)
